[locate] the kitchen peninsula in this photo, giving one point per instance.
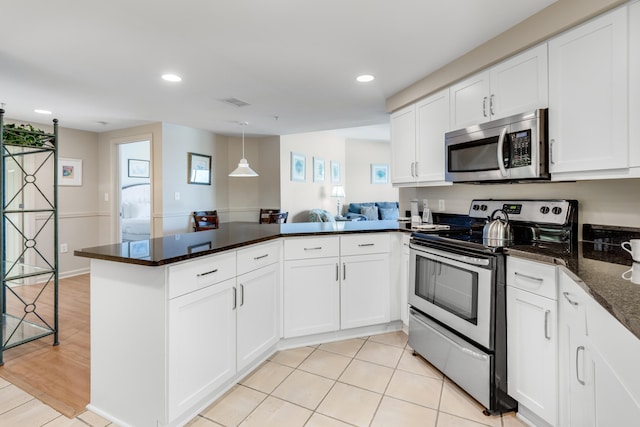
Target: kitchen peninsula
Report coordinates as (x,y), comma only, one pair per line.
(177,320)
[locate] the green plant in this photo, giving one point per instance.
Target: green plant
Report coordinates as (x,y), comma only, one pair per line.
(23,134)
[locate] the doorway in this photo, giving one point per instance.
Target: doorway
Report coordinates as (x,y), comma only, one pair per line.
(134,197)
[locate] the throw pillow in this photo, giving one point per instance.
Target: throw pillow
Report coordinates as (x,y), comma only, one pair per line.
(371,212)
(389,213)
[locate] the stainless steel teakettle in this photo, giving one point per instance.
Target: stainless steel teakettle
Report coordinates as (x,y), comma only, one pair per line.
(497,231)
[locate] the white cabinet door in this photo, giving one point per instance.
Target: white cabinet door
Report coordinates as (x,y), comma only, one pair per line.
(202,344)
(431,125)
(470,101)
(404,280)
(258,316)
(403,145)
(614,404)
(532,352)
(364,292)
(634,84)
(577,393)
(588,96)
(311,296)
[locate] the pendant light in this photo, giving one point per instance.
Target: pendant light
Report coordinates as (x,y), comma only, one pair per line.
(243,168)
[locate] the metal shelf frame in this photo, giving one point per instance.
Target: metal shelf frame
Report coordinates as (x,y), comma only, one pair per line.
(29,293)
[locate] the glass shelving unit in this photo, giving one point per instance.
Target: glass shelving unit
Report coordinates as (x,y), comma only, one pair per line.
(28,234)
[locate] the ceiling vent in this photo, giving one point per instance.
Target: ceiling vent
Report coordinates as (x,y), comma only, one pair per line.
(235,101)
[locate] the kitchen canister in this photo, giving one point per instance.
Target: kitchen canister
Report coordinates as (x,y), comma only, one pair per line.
(633,247)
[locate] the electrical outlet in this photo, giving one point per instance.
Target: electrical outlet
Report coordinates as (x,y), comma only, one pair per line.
(441,205)
(64,248)
(176,195)
(106,197)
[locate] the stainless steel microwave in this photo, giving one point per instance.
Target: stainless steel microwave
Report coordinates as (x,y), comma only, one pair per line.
(513,148)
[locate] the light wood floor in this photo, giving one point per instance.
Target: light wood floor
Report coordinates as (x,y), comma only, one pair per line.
(58,375)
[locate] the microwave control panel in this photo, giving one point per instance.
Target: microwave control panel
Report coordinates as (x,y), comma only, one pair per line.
(520,148)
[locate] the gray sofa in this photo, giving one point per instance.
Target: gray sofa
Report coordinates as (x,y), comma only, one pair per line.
(372,211)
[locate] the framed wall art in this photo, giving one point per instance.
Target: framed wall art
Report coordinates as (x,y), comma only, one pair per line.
(379,174)
(199,169)
(298,167)
(335,172)
(138,168)
(318,169)
(69,171)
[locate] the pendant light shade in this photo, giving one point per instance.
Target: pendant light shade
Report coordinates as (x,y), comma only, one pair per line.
(243,169)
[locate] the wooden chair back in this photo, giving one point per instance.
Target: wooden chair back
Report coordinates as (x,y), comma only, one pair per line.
(205,220)
(264,215)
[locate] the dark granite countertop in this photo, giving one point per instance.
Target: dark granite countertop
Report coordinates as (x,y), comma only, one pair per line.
(599,273)
(231,235)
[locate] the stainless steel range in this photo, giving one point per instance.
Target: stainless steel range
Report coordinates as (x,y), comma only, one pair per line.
(457,291)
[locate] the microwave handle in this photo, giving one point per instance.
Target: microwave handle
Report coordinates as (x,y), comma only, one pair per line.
(503,171)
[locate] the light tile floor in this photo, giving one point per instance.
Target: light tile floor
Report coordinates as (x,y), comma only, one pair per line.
(374,381)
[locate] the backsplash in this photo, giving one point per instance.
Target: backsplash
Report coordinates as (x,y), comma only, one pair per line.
(602,242)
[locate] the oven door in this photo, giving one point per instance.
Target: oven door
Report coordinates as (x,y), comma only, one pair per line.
(455,289)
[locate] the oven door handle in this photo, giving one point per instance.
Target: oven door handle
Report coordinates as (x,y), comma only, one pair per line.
(503,171)
(481,262)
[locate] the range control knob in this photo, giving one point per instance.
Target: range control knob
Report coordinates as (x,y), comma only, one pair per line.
(557,210)
(483,207)
(544,210)
(476,207)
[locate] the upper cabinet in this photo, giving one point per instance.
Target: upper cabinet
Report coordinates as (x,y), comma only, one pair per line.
(634,84)
(588,86)
(514,86)
(417,141)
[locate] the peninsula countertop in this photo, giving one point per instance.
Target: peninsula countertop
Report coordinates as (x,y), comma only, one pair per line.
(232,235)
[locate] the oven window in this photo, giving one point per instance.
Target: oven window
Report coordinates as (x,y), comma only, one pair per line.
(474,156)
(451,288)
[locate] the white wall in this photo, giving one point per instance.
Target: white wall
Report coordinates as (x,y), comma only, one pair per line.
(299,197)
(609,202)
(360,154)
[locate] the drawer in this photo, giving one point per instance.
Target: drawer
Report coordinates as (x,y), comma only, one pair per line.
(257,256)
(536,277)
(311,247)
(365,243)
(193,275)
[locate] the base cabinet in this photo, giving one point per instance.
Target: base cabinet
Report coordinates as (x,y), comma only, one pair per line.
(599,381)
(202,343)
(364,291)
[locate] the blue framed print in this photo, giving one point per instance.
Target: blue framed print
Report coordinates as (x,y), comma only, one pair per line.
(298,167)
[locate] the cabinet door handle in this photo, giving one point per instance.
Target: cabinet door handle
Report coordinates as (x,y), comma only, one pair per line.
(241,295)
(546,324)
(260,257)
(413,169)
(580,348)
(484,106)
(566,296)
(491,104)
(235,298)
(344,271)
(362,245)
(207,273)
(553,141)
(535,279)
(337,272)
(317,248)
(416,169)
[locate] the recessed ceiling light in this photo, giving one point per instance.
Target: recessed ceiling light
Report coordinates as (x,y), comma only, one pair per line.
(365,78)
(171,78)
(41,111)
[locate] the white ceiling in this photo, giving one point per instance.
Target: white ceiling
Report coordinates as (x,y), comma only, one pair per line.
(97,64)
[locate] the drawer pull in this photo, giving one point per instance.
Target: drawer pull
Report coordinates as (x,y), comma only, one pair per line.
(362,245)
(207,273)
(260,257)
(535,279)
(566,296)
(317,248)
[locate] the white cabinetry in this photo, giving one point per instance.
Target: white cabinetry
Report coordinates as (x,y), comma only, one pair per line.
(417,138)
(258,301)
(588,122)
(514,86)
(634,84)
(365,287)
(599,382)
(311,286)
(532,337)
